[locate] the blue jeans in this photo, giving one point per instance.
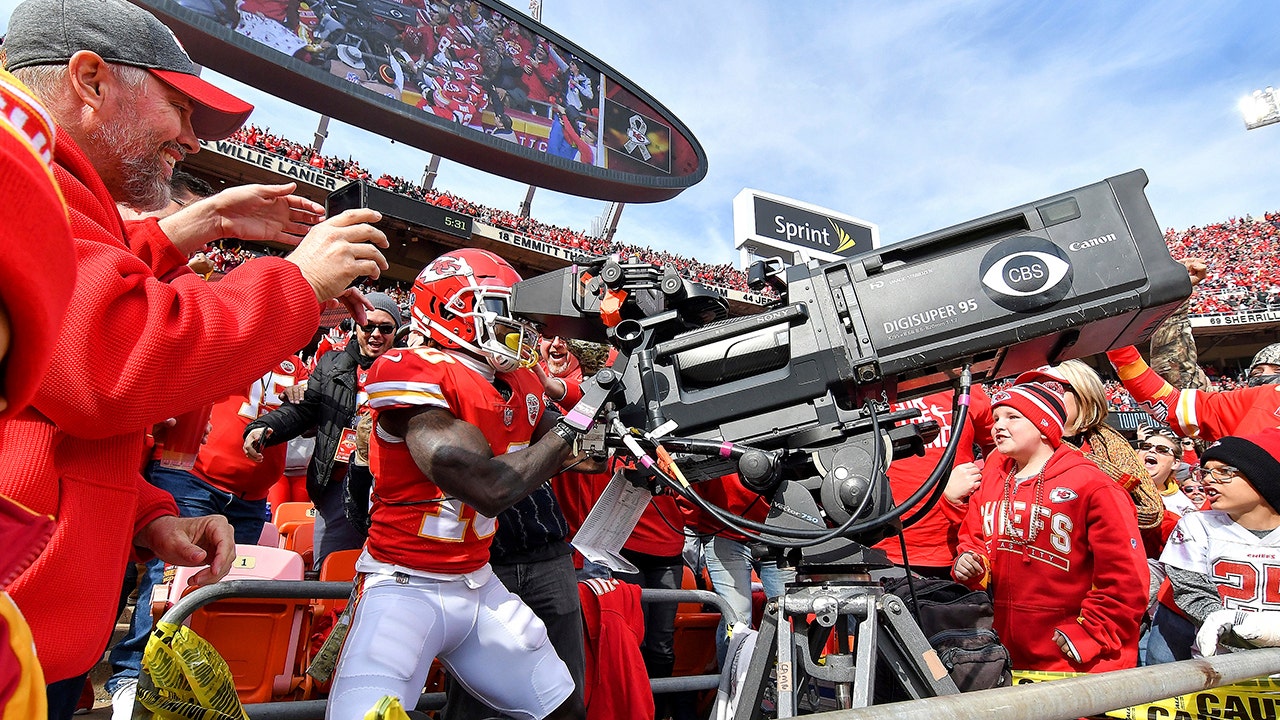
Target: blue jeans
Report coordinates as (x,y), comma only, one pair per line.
(1170,637)
(195,498)
(729,564)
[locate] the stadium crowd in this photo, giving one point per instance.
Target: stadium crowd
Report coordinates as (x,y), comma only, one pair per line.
(1240,250)
(147,415)
(722,275)
(1236,249)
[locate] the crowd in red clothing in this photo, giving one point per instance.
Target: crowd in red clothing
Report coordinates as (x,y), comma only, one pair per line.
(723,275)
(1239,253)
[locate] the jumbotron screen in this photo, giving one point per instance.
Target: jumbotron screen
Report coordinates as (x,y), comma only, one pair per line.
(478,83)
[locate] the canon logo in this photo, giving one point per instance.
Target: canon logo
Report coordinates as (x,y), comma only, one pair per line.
(1092,242)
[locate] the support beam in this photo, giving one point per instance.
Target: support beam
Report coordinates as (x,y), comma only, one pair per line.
(429,175)
(322,132)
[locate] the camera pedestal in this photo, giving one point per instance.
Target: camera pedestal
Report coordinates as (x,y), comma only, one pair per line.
(868,624)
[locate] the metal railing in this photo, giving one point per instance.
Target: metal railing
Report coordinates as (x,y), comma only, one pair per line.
(320,590)
(1079,696)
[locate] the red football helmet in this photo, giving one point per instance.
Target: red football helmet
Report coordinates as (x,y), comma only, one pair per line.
(460,300)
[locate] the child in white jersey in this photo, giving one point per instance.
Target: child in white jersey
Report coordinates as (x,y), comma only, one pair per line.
(1224,563)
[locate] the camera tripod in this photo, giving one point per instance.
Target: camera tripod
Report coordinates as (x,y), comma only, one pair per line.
(869,625)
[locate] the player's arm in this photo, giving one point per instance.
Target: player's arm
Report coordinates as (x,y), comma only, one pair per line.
(457,458)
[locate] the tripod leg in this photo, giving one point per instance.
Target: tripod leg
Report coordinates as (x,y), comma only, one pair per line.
(762,658)
(867,638)
(787,669)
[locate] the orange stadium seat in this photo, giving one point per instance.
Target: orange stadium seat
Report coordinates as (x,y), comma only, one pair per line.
(259,638)
(695,638)
(296,522)
(337,566)
(301,539)
(293,512)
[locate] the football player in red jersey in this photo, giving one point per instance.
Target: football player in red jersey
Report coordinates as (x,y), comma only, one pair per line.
(461,433)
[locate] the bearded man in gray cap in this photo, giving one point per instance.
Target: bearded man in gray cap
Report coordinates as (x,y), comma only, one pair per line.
(128,105)
(333,405)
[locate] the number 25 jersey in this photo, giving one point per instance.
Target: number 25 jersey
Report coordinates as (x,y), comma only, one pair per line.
(415,525)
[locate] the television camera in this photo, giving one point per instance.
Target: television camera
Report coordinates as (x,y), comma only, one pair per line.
(791,395)
(795,398)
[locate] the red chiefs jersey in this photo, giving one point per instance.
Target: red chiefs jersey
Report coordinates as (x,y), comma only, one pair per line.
(932,540)
(222,462)
(414,525)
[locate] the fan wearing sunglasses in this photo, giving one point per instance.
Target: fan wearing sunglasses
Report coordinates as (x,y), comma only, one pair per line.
(1160,454)
(1223,562)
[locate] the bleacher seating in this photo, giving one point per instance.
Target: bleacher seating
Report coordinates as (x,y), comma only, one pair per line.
(259,638)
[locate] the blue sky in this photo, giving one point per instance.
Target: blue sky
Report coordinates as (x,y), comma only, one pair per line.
(915,115)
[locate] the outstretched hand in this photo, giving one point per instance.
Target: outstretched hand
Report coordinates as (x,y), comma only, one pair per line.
(1196,268)
(191,542)
(247,212)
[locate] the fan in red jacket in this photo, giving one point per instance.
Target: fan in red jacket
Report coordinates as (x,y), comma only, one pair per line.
(134,350)
(1057,543)
(1205,414)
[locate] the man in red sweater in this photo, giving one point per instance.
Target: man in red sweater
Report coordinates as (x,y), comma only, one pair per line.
(134,350)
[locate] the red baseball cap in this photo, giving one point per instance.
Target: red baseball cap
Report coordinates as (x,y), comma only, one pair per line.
(49,32)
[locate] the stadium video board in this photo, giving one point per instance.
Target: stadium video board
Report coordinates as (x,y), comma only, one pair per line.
(479,83)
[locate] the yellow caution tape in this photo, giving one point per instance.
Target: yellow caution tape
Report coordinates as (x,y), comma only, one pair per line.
(1257,699)
(184,678)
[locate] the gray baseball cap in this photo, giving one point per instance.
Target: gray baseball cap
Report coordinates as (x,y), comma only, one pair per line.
(49,32)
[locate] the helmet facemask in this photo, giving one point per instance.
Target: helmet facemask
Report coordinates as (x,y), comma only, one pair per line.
(505,342)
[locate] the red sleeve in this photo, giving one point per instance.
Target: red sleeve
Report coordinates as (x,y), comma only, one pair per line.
(572,392)
(1120,574)
(149,244)
(1155,396)
(152,503)
(954,513)
(134,350)
(1203,414)
(973,536)
(981,419)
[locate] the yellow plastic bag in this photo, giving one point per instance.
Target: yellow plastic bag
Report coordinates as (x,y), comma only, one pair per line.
(388,708)
(184,678)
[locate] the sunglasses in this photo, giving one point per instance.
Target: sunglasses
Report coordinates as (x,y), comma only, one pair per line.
(1158,449)
(1188,443)
(384,328)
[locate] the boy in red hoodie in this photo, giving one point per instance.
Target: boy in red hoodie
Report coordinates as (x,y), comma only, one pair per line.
(1057,543)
